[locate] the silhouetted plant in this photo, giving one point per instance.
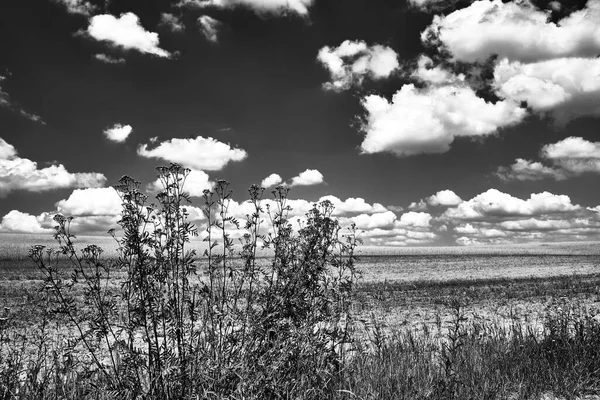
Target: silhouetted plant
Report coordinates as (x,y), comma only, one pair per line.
(249,329)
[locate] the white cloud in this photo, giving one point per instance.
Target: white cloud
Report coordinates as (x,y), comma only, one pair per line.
(494,204)
(200,153)
(92,201)
(566,87)
(418,206)
(525,170)
(445,198)
(516,30)
(435,75)
(374,221)
(171,22)
(353,205)
(428,120)
(19,222)
(18,173)
(209,28)
(195,184)
(277,7)
(570,157)
(572,148)
(415,219)
(350,62)
(307,178)
(81,7)
(426,5)
(271,180)
(118,133)
(125,32)
(108,59)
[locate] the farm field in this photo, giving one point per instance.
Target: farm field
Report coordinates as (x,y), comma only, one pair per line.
(403,287)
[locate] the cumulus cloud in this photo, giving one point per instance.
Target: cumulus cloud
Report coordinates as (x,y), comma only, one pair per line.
(565,87)
(494,217)
(434,74)
(18,173)
(307,178)
(275,7)
(570,157)
(125,32)
(81,7)
(517,31)
(108,59)
(353,205)
(209,28)
(444,198)
(19,222)
(195,184)
(271,180)
(372,221)
(171,22)
(118,133)
(428,120)
(91,201)
(352,61)
(494,204)
(200,153)
(415,219)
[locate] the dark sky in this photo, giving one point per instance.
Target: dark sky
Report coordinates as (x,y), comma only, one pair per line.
(258,85)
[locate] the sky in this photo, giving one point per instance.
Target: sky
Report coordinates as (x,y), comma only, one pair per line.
(425,122)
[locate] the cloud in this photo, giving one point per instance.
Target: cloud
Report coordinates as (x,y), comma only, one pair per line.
(276,7)
(80,7)
(91,201)
(444,198)
(6,102)
(373,221)
(496,205)
(118,133)
(494,217)
(565,87)
(125,32)
(525,170)
(172,22)
(307,178)
(517,31)
(209,28)
(570,157)
(18,173)
(353,205)
(428,120)
(352,61)
(108,59)
(418,206)
(195,184)
(432,5)
(200,153)
(435,75)
(271,180)
(415,219)
(19,222)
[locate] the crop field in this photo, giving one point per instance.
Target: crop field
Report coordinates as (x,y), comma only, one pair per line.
(401,287)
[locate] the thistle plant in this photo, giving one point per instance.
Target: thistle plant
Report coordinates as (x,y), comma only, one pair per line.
(163,322)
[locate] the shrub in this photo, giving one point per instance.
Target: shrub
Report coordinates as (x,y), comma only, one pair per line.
(223,324)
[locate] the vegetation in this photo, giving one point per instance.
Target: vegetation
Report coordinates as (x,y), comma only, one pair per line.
(162,322)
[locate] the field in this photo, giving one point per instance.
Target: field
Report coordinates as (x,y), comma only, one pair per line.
(412,295)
